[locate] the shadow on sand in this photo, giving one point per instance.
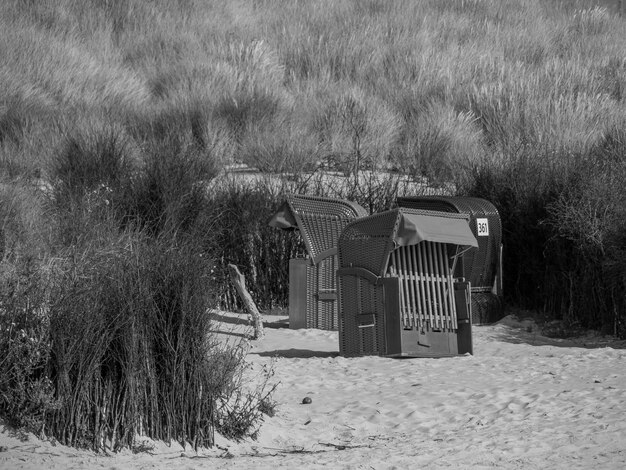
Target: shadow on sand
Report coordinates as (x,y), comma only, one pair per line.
(535,338)
(296,353)
(268,320)
(241,321)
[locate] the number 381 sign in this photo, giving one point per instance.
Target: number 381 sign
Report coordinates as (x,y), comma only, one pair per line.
(482,227)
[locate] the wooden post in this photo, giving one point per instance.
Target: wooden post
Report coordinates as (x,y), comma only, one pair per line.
(240,284)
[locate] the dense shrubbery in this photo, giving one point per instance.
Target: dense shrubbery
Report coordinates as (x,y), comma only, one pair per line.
(240,232)
(106,328)
(130,343)
(26,391)
(563,215)
(116,117)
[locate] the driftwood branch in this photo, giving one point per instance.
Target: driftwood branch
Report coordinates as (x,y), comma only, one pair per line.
(240,284)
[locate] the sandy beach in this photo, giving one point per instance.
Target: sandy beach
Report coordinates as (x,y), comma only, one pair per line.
(522,401)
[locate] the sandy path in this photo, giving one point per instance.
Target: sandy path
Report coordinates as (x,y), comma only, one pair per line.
(522,401)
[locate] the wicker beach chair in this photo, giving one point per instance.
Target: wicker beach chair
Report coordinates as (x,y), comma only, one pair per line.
(312,280)
(397,294)
(483,266)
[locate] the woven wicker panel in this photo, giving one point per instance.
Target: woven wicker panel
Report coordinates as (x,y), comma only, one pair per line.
(361,317)
(311,297)
(321,220)
(372,339)
(367,243)
(486,308)
(481,265)
(326,284)
(348,340)
(485,261)
(321,312)
(324,205)
(321,232)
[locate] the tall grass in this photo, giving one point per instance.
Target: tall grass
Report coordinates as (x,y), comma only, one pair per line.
(369,77)
(149,366)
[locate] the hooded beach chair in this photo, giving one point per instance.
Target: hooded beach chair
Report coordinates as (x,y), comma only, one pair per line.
(397,292)
(312,280)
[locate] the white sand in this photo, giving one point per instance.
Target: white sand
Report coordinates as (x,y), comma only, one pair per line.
(522,401)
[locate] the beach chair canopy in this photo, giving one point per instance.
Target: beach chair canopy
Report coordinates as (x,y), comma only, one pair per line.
(368,242)
(417,228)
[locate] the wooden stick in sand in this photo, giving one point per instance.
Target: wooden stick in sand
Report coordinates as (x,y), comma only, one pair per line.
(240,284)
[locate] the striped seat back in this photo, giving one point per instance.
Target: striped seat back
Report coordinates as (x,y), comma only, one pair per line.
(426,286)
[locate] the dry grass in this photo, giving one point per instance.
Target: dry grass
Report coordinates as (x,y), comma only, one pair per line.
(411,83)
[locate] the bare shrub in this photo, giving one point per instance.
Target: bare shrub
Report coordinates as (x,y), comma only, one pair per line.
(242,409)
(27,395)
(240,234)
(588,218)
(167,193)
